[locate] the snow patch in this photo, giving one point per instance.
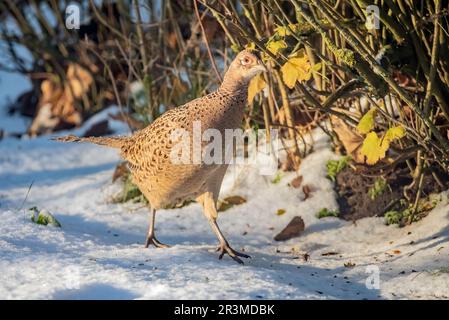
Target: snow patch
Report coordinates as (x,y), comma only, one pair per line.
(98,253)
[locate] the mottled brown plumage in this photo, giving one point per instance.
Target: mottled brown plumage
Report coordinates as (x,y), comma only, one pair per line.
(147,151)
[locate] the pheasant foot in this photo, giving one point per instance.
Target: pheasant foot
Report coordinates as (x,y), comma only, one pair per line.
(225,248)
(151,239)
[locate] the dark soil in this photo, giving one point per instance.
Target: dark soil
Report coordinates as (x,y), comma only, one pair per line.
(354,198)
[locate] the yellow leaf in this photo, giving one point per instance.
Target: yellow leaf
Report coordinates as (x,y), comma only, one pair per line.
(250,46)
(372,149)
(285,30)
(303,66)
(394,133)
(275,46)
(265,56)
(317,67)
(235,48)
(297,68)
(366,123)
(289,74)
(280,212)
(256,85)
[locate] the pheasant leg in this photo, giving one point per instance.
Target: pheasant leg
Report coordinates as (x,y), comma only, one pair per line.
(151,239)
(224,246)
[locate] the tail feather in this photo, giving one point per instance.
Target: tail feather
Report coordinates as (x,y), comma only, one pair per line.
(113,142)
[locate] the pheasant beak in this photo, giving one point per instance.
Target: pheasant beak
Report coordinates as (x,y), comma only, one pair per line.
(259,67)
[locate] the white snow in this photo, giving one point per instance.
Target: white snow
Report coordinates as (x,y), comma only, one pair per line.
(98,253)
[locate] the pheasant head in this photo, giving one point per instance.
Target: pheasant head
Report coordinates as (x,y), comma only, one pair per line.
(244,67)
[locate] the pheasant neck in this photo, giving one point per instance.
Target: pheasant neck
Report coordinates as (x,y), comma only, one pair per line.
(233,86)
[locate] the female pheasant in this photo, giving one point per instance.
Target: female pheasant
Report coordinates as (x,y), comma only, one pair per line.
(148,151)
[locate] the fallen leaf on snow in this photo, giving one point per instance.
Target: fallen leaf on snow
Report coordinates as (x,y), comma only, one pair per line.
(293,229)
(280,212)
(236,200)
(229,202)
(349,264)
(307,189)
(330,253)
(296,182)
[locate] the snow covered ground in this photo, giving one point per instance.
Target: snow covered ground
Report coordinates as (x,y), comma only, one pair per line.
(98,253)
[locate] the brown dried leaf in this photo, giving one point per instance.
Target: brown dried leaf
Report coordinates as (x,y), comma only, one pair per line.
(296,182)
(51,92)
(79,79)
(235,200)
(293,229)
(350,139)
(229,202)
(307,189)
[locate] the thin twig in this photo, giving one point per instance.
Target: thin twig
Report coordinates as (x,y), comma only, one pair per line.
(206,42)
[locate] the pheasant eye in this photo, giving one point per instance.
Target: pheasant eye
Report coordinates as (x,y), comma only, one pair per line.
(245,61)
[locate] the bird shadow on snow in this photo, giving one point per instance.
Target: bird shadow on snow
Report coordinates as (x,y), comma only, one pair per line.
(305,281)
(302,283)
(442,236)
(329,283)
(95,291)
(49,176)
(190,249)
(323,226)
(107,233)
(435,240)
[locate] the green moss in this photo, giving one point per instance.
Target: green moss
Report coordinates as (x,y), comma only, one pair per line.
(347,56)
(344,54)
(335,166)
(401,217)
(43,217)
(323,213)
(409,215)
(380,186)
(277,178)
(393,217)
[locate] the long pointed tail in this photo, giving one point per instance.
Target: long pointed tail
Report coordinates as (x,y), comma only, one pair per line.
(113,142)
